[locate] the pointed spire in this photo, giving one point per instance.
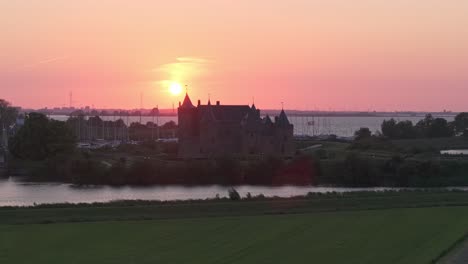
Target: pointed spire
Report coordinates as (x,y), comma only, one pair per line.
(283,119)
(187,102)
(267,120)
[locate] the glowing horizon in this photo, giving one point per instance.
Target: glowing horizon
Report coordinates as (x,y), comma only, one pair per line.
(335,54)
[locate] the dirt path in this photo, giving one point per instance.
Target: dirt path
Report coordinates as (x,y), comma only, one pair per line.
(458,255)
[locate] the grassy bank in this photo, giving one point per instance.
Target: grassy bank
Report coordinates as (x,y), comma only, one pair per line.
(150,210)
(415,235)
(367,227)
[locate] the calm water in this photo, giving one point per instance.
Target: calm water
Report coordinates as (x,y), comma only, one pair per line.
(455,152)
(15,193)
(307,125)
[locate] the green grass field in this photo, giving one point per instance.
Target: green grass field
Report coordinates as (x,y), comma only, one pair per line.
(416,235)
(388,227)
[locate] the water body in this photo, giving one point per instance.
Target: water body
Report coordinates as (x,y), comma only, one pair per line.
(16,193)
(343,126)
(455,152)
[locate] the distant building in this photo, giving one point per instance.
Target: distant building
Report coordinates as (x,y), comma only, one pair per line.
(231,130)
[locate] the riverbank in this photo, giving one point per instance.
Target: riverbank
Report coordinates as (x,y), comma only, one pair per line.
(373,162)
(222,207)
(383,227)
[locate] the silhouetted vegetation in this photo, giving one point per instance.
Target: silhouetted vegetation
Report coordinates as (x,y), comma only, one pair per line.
(41,138)
(429,127)
(363,133)
(233,195)
(8,114)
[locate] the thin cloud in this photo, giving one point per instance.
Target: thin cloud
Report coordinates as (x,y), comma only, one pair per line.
(45,61)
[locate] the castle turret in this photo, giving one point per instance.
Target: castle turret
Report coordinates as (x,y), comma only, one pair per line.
(187,104)
(282,120)
(188,124)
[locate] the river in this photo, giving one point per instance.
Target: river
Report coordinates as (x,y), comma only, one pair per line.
(18,193)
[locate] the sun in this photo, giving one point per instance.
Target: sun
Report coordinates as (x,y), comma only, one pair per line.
(175,88)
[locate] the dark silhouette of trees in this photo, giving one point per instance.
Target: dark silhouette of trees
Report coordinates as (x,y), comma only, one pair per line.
(403,129)
(461,123)
(389,128)
(429,127)
(234,195)
(434,127)
(8,114)
(169,125)
(41,138)
(363,133)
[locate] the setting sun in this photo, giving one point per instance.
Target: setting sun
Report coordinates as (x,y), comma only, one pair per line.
(175,88)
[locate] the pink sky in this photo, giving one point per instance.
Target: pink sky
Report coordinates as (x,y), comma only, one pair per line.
(309,54)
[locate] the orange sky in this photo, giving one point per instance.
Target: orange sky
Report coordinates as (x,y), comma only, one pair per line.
(311,54)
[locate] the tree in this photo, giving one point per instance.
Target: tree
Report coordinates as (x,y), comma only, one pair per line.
(233,194)
(397,130)
(8,114)
(434,127)
(41,138)
(440,128)
(406,130)
(363,133)
(169,125)
(461,122)
(389,128)
(424,125)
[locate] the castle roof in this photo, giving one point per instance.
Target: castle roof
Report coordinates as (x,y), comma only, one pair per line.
(225,112)
(283,119)
(208,115)
(267,120)
(187,103)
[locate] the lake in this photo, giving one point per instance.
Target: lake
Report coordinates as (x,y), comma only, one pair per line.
(343,126)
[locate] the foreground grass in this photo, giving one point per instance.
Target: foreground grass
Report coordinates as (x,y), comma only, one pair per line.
(416,235)
(389,227)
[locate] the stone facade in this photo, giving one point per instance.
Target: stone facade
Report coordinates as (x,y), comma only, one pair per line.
(217,130)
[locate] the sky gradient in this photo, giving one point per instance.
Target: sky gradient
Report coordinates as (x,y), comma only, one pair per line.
(309,54)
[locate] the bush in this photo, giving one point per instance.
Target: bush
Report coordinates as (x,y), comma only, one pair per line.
(233,195)
(363,133)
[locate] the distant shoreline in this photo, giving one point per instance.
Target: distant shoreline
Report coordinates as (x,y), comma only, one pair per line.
(275,112)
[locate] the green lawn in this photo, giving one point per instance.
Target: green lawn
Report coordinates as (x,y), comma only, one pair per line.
(416,235)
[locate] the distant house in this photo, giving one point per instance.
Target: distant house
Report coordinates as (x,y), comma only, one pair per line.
(231,130)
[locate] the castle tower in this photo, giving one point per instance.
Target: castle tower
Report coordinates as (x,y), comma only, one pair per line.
(188,127)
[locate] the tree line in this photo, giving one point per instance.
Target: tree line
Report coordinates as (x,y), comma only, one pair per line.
(429,127)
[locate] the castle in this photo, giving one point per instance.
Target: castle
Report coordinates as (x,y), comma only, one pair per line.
(208,131)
